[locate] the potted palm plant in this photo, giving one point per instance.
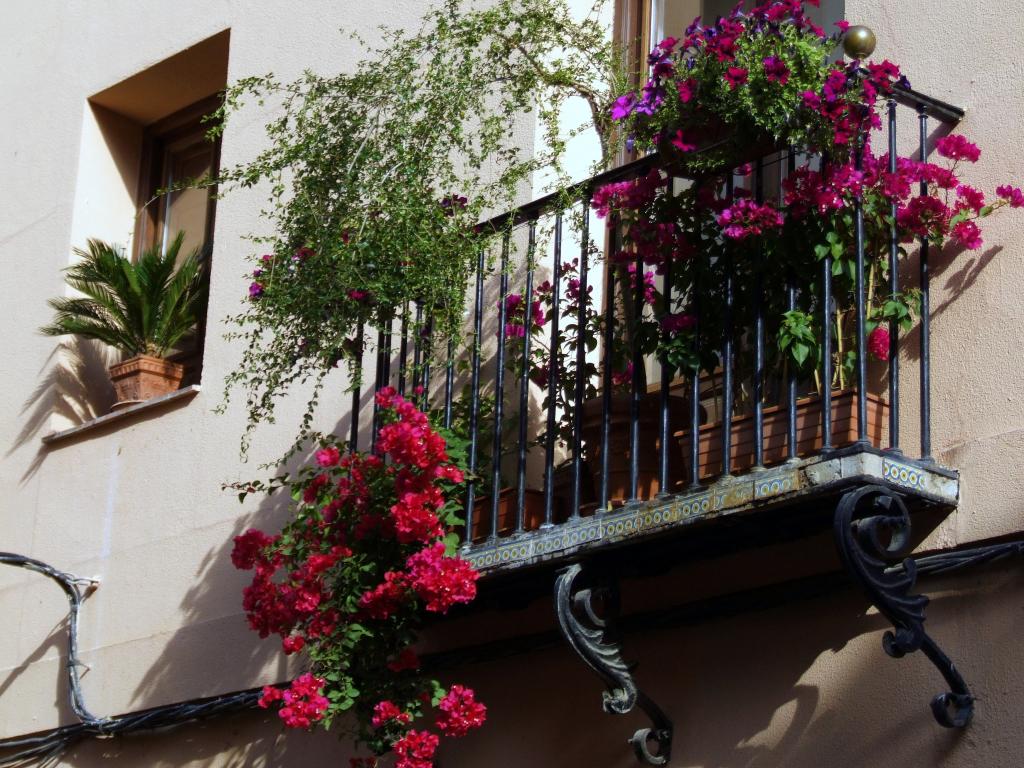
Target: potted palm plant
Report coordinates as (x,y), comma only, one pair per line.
(144,309)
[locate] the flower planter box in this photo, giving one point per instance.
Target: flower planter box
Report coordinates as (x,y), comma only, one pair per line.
(619,443)
(144,377)
(776,449)
(533,513)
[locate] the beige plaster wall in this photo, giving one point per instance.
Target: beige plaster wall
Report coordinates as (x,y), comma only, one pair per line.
(139,505)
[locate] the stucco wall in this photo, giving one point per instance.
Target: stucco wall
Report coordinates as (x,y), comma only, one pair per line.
(140,506)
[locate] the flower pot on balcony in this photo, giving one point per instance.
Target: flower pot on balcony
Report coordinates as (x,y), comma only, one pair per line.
(533,513)
(776,449)
(619,443)
(731,144)
(143,377)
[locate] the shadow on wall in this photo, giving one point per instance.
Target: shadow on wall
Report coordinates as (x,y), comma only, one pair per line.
(247,740)
(805,685)
(215,652)
(74,388)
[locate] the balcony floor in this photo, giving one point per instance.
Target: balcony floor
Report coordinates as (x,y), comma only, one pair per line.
(757,493)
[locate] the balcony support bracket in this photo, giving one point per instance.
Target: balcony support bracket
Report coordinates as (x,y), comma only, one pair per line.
(591,632)
(872,532)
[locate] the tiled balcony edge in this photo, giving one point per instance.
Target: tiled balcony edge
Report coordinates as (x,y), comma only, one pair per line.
(773,487)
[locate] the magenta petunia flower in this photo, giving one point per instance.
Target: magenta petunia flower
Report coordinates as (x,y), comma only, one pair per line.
(623,106)
(735,76)
(255,290)
(776,70)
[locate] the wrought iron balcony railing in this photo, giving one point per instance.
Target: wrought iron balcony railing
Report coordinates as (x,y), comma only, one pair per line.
(563,463)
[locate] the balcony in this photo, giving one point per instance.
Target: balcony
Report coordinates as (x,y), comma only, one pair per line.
(634,449)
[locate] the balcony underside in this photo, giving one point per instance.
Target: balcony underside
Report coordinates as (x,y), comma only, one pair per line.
(761,496)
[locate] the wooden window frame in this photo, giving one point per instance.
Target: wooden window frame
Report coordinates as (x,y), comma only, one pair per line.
(185,128)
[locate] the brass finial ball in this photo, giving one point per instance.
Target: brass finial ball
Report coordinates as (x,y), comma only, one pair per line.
(859,42)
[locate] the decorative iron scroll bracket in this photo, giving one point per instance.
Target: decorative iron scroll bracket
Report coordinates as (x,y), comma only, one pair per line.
(872,532)
(593,636)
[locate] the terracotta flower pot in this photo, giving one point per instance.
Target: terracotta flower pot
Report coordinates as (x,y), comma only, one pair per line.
(143,377)
(619,443)
(533,513)
(808,432)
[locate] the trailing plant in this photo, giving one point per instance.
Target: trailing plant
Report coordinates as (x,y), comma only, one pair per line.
(143,308)
(366,558)
(378,177)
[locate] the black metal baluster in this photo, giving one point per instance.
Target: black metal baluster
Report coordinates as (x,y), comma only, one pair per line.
(474,385)
(727,394)
(695,381)
(664,425)
(826,352)
(581,363)
(791,436)
(403,349)
(606,393)
(449,384)
(759,334)
(524,378)
(635,379)
(552,376)
(549,442)
(378,383)
(353,434)
(926,371)
(894,286)
(499,387)
(386,360)
(428,349)
(860,302)
(417,350)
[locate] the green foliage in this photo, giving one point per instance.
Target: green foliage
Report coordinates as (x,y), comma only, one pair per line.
(383,172)
(148,307)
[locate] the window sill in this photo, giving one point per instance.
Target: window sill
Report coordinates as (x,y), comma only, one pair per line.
(142,409)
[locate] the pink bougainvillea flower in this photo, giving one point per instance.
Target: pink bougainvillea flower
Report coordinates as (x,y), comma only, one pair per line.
(967,234)
(441,581)
(956,147)
(416,749)
(878,342)
(1013,195)
(328,457)
(304,702)
(249,549)
(674,323)
(460,712)
(385,712)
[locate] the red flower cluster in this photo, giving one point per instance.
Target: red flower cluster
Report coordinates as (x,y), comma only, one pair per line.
(357,567)
(303,703)
(745,218)
(387,712)
(441,581)
(416,749)
(460,712)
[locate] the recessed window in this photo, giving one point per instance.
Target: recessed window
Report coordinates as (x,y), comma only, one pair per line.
(142,135)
